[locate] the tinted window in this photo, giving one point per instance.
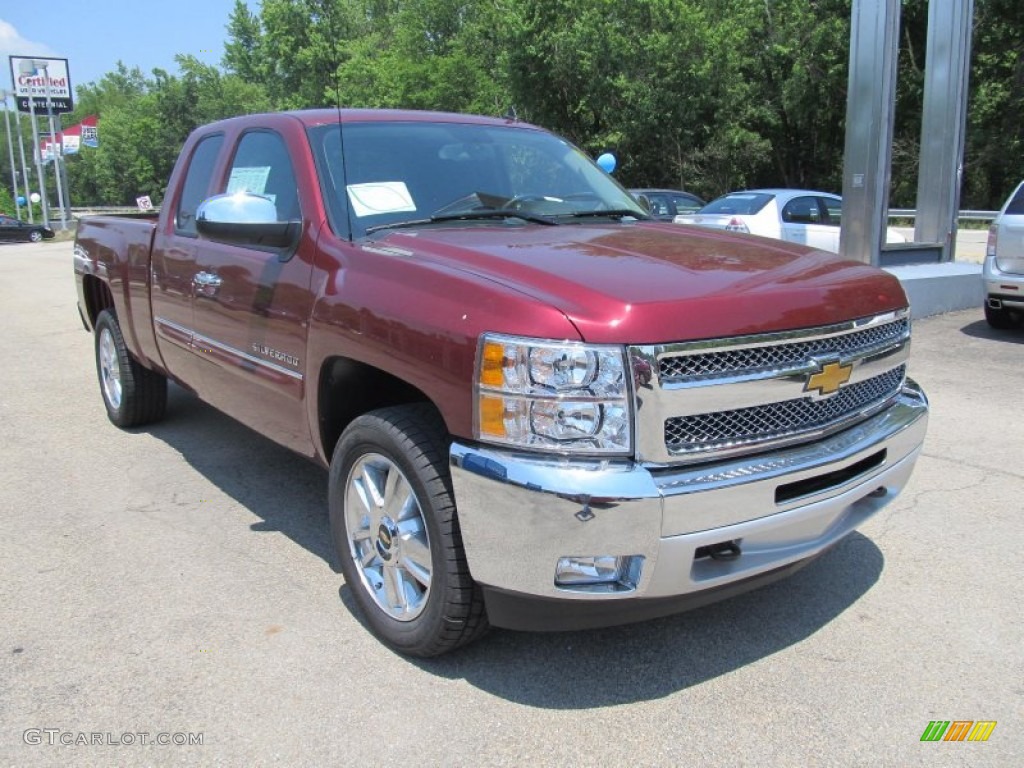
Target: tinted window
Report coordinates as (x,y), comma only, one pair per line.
(744,203)
(197,183)
(262,166)
(834,208)
(802,210)
(659,204)
(1016,206)
(686,203)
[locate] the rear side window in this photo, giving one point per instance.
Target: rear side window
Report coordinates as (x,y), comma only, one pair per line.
(743,203)
(834,207)
(659,205)
(802,210)
(1016,206)
(197,183)
(686,203)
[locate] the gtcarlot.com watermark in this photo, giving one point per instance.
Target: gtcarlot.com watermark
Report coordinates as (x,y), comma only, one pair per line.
(53,737)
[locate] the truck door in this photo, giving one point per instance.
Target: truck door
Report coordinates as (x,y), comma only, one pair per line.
(252,304)
(174,265)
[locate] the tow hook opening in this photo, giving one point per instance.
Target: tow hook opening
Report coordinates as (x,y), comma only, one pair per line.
(995,304)
(722,551)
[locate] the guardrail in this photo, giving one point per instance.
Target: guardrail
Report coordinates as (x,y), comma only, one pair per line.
(95,210)
(911,213)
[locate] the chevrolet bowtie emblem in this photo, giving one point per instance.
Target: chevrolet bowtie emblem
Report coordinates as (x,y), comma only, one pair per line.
(829,379)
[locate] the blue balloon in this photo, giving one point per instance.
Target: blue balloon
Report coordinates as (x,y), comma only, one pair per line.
(21,200)
(607,162)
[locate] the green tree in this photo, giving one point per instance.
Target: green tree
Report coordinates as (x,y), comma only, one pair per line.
(143,123)
(994,155)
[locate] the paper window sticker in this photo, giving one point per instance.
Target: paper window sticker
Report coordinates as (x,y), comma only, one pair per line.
(252,180)
(377,197)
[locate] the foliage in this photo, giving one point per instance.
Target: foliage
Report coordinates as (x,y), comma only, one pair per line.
(705,95)
(143,123)
(6,201)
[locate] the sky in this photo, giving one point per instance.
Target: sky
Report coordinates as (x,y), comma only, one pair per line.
(93,36)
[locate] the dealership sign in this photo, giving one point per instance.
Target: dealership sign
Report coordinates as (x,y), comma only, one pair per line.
(41,79)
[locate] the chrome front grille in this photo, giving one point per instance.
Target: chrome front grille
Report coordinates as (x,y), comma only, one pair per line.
(743,426)
(747,360)
(706,400)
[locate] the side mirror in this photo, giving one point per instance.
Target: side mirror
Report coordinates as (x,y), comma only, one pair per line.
(645,202)
(245,219)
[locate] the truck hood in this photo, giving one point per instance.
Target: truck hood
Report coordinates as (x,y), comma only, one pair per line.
(650,283)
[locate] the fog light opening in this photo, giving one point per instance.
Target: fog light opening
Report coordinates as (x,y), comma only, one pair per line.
(599,573)
(723,551)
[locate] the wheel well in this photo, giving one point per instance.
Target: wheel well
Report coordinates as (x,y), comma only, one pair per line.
(97,297)
(348,389)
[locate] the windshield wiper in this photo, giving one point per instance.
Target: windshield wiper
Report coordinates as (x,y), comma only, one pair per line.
(398,225)
(467,216)
(616,213)
(496,213)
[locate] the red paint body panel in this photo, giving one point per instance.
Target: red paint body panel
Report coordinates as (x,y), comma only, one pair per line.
(648,283)
(413,302)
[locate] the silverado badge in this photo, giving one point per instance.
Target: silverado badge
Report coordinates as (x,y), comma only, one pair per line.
(829,379)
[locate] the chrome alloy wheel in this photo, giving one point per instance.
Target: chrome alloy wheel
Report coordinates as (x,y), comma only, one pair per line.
(387,537)
(110,369)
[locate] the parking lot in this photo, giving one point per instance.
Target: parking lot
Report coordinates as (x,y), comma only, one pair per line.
(177,581)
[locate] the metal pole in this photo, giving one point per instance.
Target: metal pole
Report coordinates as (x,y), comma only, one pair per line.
(57,152)
(870,104)
(946,77)
(10,152)
(24,168)
(29,67)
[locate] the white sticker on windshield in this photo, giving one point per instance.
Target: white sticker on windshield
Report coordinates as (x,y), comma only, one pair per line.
(252,180)
(380,197)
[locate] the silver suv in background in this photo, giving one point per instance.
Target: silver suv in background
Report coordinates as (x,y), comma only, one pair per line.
(1004,264)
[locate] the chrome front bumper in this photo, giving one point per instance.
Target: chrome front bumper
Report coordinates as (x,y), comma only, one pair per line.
(520,514)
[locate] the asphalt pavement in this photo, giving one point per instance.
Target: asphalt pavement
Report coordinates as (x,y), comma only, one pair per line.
(174,584)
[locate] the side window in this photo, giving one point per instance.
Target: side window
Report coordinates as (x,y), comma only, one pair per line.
(834,209)
(802,210)
(197,183)
(659,205)
(686,204)
(262,166)
(1016,206)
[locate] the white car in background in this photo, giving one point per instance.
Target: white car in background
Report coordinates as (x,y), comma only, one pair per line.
(1004,264)
(797,215)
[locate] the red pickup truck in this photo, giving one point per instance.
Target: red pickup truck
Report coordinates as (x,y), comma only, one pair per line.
(540,409)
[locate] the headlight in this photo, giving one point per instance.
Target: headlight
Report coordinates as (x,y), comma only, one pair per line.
(564,396)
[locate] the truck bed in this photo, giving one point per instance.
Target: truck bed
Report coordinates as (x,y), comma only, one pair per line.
(115,251)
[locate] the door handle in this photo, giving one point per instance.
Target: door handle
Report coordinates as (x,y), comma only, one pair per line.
(207,283)
(207,279)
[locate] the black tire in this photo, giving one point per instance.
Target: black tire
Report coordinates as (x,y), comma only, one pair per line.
(35,236)
(1002,319)
(379,555)
(133,395)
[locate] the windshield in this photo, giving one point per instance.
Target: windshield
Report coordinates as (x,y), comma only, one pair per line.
(742,203)
(396,173)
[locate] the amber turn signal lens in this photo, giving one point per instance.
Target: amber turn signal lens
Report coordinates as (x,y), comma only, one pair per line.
(492,416)
(491,365)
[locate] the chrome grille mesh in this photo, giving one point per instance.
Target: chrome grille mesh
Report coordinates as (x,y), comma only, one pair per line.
(771,421)
(736,362)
